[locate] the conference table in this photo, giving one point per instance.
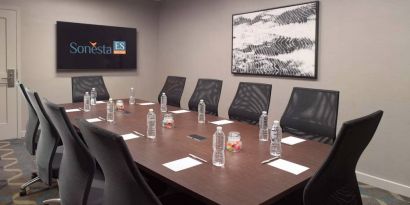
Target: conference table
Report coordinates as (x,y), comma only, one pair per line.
(243,179)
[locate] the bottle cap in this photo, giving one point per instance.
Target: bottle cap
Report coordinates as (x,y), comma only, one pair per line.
(219,128)
(276,122)
(132,88)
(86,93)
(163,93)
(93,89)
(151,110)
(264,112)
(201,100)
(110,99)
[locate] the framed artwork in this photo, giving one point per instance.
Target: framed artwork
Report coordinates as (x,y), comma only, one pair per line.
(276,42)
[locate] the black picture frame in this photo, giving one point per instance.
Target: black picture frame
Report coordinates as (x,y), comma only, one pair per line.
(273,57)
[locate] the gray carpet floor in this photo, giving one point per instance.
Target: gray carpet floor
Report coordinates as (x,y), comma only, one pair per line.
(16,166)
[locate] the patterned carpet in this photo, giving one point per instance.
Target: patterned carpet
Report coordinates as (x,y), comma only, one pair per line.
(16,166)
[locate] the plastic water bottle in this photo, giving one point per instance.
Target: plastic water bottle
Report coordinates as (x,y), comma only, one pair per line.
(93,96)
(263,127)
(163,102)
(218,156)
(151,124)
(276,137)
(87,103)
(110,110)
(132,96)
(201,111)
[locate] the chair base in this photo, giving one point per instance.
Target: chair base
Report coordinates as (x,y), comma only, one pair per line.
(23,188)
(52,201)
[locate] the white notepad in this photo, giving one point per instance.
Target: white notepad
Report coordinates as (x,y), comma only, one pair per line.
(222,122)
(130,136)
(292,140)
(72,110)
(99,102)
(179,111)
(94,120)
(288,166)
(182,164)
(148,103)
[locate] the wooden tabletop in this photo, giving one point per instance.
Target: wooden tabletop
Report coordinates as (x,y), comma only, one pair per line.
(243,180)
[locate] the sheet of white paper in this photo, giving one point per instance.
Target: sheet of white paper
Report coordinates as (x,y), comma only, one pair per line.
(73,110)
(182,164)
(99,102)
(94,120)
(291,140)
(288,166)
(179,111)
(148,103)
(222,122)
(130,136)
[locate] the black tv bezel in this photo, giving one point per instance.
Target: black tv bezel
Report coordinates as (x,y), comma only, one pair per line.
(100,69)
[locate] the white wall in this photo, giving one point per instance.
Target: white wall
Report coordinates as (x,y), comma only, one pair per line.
(38,44)
(363,53)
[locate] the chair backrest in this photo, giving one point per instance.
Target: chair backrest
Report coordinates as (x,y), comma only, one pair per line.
(124,183)
(210,91)
(249,102)
(335,182)
(173,88)
(312,112)
(33,123)
(48,141)
(77,165)
(83,84)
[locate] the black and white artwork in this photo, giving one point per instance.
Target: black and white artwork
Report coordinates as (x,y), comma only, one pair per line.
(276,42)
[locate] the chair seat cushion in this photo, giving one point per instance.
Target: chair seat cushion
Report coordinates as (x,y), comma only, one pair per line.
(57,161)
(99,179)
(96,196)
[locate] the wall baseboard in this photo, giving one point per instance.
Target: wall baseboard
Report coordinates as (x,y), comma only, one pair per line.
(388,185)
(22,133)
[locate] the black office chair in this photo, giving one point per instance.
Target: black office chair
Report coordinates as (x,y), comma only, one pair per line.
(77,169)
(209,90)
(32,131)
(83,84)
(173,88)
(335,182)
(32,134)
(47,161)
(124,183)
(312,114)
(249,102)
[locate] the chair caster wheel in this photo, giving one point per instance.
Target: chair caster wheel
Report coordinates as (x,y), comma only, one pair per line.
(23,192)
(33,175)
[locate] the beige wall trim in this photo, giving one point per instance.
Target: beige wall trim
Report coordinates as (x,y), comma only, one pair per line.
(385,184)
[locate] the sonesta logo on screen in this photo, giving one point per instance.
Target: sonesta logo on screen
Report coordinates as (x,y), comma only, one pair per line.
(118,48)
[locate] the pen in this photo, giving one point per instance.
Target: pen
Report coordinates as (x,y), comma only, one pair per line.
(101,118)
(268,160)
(198,158)
(81,109)
(138,133)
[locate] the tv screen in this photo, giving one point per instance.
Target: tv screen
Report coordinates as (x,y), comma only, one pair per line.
(86,47)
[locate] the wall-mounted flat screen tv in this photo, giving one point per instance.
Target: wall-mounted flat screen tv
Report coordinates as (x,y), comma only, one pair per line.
(95,47)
